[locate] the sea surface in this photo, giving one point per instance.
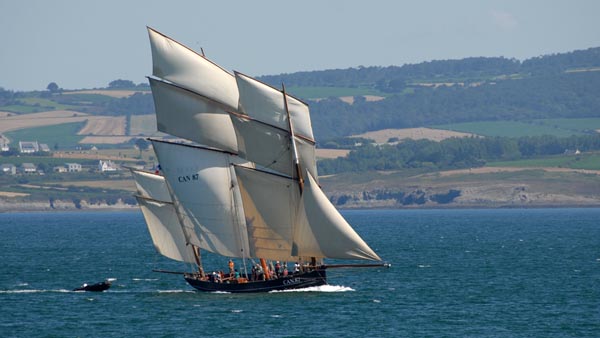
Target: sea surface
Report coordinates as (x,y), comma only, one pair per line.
(455,273)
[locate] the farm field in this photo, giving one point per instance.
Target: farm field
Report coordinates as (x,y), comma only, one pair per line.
(582,161)
(106,92)
(382,136)
(556,127)
(104,125)
(55,136)
(323,92)
(143,125)
(15,122)
(127,185)
(331,153)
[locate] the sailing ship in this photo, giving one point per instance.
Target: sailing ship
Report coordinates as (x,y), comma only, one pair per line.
(239,181)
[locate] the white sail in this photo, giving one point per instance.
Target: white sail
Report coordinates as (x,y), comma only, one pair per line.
(266,104)
(185,114)
(270,203)
(264,144)
(164,228)
(151,185)
(161,218)
(322,232)
(177,63)
(202,183)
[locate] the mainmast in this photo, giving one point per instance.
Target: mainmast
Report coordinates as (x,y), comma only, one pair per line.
(313,260)
(292,140)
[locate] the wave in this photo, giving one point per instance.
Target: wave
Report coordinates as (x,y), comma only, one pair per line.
(33,291)
(145,279)
(322,288)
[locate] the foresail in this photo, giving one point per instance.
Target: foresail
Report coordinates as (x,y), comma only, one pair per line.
(151,185)
(322,232)
(185,114)
(177,63)
(165,230)
(270,204)
(161,218)
(201,180)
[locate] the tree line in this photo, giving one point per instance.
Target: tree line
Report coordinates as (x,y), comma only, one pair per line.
(469,69)
(564,95)
(453,153)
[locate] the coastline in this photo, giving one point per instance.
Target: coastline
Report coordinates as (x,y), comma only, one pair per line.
(40,207)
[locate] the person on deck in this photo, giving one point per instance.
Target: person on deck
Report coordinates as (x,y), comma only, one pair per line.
(231,268)
(277,269)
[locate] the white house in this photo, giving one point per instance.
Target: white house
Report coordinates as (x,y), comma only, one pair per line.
(73,167)
(27,147)
(28,168)
(104,166)
(8,168)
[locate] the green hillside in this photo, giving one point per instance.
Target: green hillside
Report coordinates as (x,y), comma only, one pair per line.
(556,127)
(61,136)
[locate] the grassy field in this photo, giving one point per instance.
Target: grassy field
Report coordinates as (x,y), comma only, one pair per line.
(143,125)
(323,92)
(583,161)
(64,135)
(556,127)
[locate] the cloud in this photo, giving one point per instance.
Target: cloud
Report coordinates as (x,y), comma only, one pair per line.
(505,20)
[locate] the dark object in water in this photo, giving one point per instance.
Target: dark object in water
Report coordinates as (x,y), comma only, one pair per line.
(98,287)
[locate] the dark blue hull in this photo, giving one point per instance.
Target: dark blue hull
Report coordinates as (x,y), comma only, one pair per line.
(98,287)
(296,281)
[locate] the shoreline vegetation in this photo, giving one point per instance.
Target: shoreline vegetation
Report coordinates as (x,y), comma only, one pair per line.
(488,187)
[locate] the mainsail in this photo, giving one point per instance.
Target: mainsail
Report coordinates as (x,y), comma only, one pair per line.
(248,185)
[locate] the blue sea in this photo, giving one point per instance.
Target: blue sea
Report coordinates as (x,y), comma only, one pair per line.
(455,273)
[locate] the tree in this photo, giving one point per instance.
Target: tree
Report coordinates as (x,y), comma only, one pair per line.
(121,84)
(53,87)
(142,145)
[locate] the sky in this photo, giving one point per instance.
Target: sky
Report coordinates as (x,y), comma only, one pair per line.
(87,44)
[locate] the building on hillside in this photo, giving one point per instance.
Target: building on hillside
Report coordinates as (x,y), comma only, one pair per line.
(60,169)
(4,147)
(28,168)
(109,165)
(28,147)
(8,169)
(73,167)
(44,147)
(572,152)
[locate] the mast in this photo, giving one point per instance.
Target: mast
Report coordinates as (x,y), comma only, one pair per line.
(313,260)
(292,139)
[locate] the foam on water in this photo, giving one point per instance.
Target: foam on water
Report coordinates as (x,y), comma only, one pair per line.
(322,288)
(176,291)
(144,279)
